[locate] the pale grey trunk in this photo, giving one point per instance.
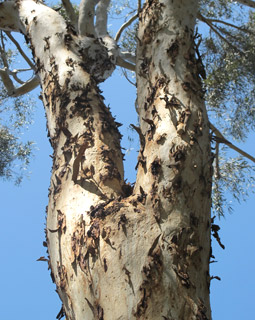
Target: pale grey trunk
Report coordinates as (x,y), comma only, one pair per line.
(114,255)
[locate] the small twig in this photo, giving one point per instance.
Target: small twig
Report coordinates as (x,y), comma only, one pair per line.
(126,76)
(29,62)
(220,139)
(202,18)
(124,26)
(215,30)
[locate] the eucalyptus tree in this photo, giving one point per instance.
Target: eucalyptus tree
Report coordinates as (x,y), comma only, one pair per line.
(141,252)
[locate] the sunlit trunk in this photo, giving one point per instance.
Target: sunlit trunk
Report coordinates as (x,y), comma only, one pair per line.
(117,253)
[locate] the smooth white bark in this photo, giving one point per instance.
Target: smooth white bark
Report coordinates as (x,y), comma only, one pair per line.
(86,18)
(115,254)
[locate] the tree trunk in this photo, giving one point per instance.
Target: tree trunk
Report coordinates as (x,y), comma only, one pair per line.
(117,253)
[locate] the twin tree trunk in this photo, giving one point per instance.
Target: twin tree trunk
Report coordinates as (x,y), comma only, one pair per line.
(117,253)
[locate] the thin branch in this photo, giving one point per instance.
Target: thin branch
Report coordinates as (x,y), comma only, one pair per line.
(70,12)
(3,52)
(101,17)
(86,18)
(220,139)
(14,72)
(24,88)
(202,18)
(29,62)
(215,30)
(122,63)
(124,26)
(27,87)
(248,3)
(126,76)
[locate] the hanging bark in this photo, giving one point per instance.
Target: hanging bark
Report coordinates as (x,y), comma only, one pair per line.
(117,253)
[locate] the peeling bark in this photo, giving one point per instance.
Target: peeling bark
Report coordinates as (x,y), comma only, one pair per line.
(114,252)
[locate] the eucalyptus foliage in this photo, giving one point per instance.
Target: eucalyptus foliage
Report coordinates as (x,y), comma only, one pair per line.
(15,118)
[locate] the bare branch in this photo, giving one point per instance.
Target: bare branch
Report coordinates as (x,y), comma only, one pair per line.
(101,17)
(24,88)
(3,52)
(70,12)
(27,87)
(202,18)
(216,30)
(4,74)
(126,76)
(86,18)
(122,63)
(124,26)
(14,72)
(248,3)
(29,62)
(220,139)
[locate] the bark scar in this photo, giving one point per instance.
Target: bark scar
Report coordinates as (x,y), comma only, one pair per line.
(77,161)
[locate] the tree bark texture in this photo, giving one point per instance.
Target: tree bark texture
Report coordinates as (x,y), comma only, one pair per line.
(117,253)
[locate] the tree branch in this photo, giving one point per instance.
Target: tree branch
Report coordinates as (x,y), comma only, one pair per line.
(122,63)
(29,62)
(23,89)
(70,12)
(215,30)
(27,87)
(101,17)
(128,56)
(202,18)
(124,26)
(248,3)
(220,139)
(4,74)
(86,18)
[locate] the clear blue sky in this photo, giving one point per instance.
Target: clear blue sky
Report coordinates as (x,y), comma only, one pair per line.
(26,289)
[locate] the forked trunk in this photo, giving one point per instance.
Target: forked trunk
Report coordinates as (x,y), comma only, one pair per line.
(116,253)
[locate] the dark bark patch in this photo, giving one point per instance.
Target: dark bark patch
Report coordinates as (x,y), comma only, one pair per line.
(99,313)
(173,51)
(183,275)
(105,265)
(201,312)
(62,274)
(142,196)
(156,167)
(142,304)
(127,190)
(122,223)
